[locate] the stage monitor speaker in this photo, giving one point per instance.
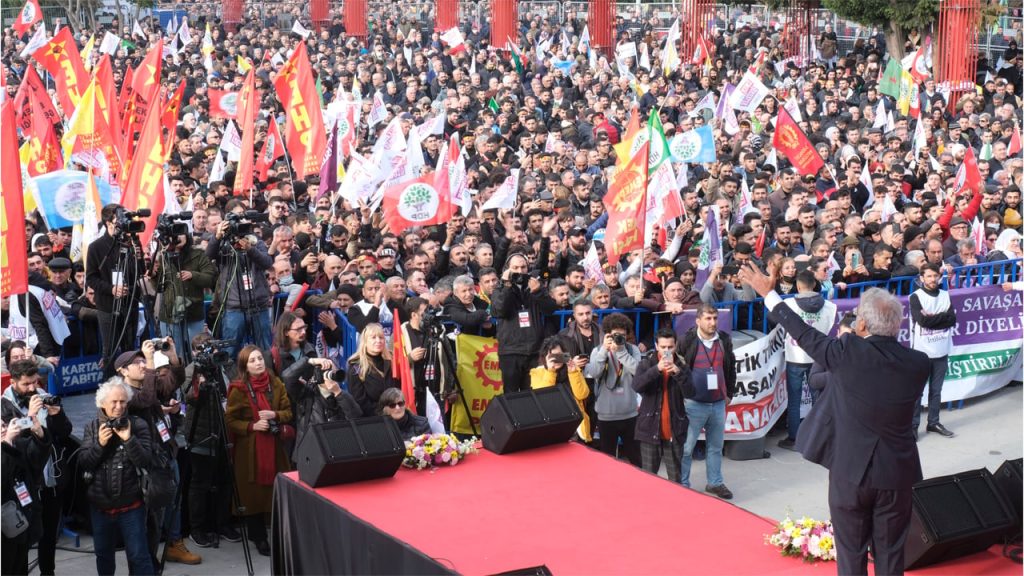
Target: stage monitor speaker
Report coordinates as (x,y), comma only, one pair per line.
(1008,479)
(530,419)
(954,516)
(350,451)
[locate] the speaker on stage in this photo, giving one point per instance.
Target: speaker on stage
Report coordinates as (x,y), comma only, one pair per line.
(530,419)
(1008,479)
(350,451)
(954,516)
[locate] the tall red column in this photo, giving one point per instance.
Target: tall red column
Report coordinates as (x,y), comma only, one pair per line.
(601,25)
(318,11)
(504,22)
(354,17)
(694,18)
(232,13)
(447,14)
(956,52)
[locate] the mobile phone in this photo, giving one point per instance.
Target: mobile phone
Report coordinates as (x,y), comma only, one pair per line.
(855,260)
(731,270)
(560,358)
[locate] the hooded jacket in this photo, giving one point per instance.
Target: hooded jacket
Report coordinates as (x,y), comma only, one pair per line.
(816,312)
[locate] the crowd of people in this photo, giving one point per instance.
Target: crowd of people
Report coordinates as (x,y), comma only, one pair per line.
(255,316)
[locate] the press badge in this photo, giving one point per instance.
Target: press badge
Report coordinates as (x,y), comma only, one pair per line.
(23,496)
(161,427)
(712,378)
(118,278)
(246,282)
(524,319)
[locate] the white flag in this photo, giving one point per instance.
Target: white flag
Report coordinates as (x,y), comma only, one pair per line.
(378,111)
(219,168)
(301,30)
(793,107)
(890,122)
(505,195)
(184,34)
(865,179)
(880,114)
(920,140)
(585,38)
(36,41)
(592,264)
(433,413)
(645,58)
(707,102)
(110,43)
(682,176)
(232,142)
(748,94)
(138,32)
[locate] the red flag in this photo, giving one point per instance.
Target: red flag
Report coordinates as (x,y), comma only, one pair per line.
(1014,147)
(305,134)
(32,86)
(61,59)
(759,245)
(968,177)
(400,366)
(124,97)
(146,79)
(44,148)
(28,16)
(415,202)
(223,104)
(169,119)
(144,185)
(105,83)
(273,148)
(791,141)
(14,280)
(248,105)
(627,205)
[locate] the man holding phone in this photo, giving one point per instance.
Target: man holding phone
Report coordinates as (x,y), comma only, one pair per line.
(661,424)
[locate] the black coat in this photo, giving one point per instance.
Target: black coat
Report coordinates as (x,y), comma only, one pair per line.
(114,467)
(23,462)
(367,391)
(470,322)
(816,438)
(102,258)
(309,405)
(877,387)
(649,383)
(412,425)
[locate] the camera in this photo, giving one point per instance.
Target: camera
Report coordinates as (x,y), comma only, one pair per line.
(619,339)
(241,224)
(126,222)
(119,423)
(561,358)
(161,344)
(170,226)
(50,400)
(433,317)
(275,428)
(320,375)
(519,280)
(212,353)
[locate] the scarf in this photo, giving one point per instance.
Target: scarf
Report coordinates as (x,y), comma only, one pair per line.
(264,442)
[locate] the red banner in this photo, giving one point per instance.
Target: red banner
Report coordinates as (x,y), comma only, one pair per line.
(793,143)
(318,11)
(272,150)
(304,134)
(626,203)
(32,86)
(248,106)
(232,12)
(13,263)
(601,24)
(144,186)
(61,59)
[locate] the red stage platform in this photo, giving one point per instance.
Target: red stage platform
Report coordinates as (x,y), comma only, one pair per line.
(567,507)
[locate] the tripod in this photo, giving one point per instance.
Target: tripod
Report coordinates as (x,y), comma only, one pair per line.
(125,272)
(213,377)
(171,286)
(436,338)
(241,275)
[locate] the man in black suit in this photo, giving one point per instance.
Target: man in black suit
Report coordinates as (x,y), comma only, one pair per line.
(878,383)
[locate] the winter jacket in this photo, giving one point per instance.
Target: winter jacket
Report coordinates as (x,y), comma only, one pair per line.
(183,297)
(507,302)
(203,416)
(231,280)
(310,405)
(687,348)
(649,382)
(115,467)
(541,377)
(23,462)
(470,322)
(615,397)
(101,260)
(367,391)
(412,425)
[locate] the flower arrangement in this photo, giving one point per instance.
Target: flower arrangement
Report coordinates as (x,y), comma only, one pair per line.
(431,450)
(810,539)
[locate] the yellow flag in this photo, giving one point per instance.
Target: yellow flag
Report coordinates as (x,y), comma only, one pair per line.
(87,52)
(906,87)
(480,378)
(243,65)
(25,155)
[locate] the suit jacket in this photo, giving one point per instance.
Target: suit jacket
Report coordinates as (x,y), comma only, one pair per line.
(816,438)
(877,387)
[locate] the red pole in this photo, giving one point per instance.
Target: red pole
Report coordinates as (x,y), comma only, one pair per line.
(447,15)
(318,11)
(504,22)
(601,24)
(355,18)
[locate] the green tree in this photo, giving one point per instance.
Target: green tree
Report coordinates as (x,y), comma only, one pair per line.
(895,17)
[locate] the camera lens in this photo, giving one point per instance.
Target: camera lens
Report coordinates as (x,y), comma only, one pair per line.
(619,339)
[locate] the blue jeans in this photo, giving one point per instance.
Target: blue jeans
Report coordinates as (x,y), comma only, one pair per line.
(182,334)
(234,328)
(132,525)
(796,375)
(711,418)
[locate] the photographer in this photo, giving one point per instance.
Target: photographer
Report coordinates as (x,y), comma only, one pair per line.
(25,447)
(24,398)
(209,491)
(242,285)
(661,424)
(114,265)
(558,369)
(612,366)
(421,338)
(290,346)
(115,446)
(182,273)
(317,398)
(516,304)
(258,414)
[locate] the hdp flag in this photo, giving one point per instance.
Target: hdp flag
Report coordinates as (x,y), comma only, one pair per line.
(696,146)
(61,195)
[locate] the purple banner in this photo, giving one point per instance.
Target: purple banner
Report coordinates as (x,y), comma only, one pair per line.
(984,314)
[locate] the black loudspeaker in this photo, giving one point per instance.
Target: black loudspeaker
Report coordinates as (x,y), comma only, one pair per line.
(1008,479)
(530,419)
(954,516)
(350,451)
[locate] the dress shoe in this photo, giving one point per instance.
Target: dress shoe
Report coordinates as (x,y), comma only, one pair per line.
(940,429)
(788,444)
(721,491)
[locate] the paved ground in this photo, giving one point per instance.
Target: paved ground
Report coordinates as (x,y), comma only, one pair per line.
(989,430)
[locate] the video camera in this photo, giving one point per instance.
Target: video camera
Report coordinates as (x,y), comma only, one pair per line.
(241,224)
(170,226)
(433,320)
(127,222)
(213,353)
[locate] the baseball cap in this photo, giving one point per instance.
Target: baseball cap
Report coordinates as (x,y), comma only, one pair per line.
(387,253)
(127,358)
